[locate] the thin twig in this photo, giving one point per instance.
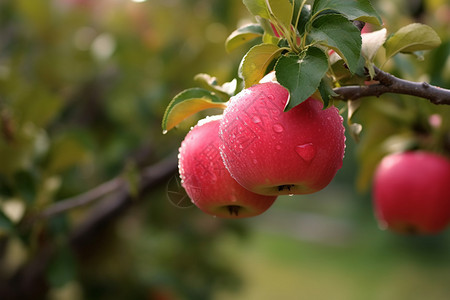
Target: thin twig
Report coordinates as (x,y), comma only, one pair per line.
(83,199)
(388,83)
(113,185)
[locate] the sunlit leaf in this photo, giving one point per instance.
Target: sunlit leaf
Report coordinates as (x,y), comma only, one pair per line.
(301,74)
(361,10)
(412,37)
(210,83)
(282,11)
(257,7)
(371,43)
(339,34)
(188,103)
(255,63)
(243,35)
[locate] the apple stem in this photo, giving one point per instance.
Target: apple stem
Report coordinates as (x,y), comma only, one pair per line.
(285,187)
(234,210)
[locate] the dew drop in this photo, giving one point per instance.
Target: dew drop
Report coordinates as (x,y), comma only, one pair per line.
(164,131)
(278,128)
(306,151)
(290,195)
(256,119)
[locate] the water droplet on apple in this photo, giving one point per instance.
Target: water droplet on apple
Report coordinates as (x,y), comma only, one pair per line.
(306,151)
(256,119)
(278,128)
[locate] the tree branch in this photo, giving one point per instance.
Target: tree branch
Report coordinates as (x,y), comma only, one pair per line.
(388,83)
(113,185)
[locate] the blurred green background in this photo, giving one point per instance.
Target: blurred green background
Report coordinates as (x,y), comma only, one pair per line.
(83,88)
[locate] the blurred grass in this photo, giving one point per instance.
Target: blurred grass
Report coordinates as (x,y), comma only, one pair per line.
(275,266)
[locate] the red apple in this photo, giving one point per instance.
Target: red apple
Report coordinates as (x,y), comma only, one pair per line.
(411,192)
(272,152)
(207,181)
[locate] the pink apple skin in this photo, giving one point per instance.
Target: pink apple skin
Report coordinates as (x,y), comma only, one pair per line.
(411,192)
(207,181)
(272,152)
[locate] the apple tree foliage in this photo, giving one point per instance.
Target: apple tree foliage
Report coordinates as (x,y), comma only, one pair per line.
(83,84)
(317,48)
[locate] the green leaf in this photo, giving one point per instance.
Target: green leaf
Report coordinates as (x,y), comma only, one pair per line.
(26,185)
(304,17)
(6,225)
(361,10)
(326,91)
(188,103)
(66,152)
(243,35)
(62,268)
(301,74)
(412,37)
(282,11)
(210,83)
(339,34)
(257,8)
(255,63)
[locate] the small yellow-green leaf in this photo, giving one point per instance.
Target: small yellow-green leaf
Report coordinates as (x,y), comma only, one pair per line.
(188,103)
(257,8)
(243,35)
(282,11)
(413,37)
(255,63)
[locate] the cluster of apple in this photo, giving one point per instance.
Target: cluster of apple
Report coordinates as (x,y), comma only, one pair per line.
(411,192)
(236,164)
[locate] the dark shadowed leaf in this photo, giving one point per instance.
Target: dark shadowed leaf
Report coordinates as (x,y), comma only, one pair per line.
(339,34)
(361,10)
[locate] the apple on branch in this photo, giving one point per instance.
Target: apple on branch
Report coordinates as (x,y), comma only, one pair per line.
(411,192)
(207,181)
(272,152)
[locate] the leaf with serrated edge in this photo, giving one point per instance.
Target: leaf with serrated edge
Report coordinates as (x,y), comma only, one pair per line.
(339,34)
(257,7)
(254,64)
(361,10)
(243,35)
(412,37)
(301,75)
(188,103)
